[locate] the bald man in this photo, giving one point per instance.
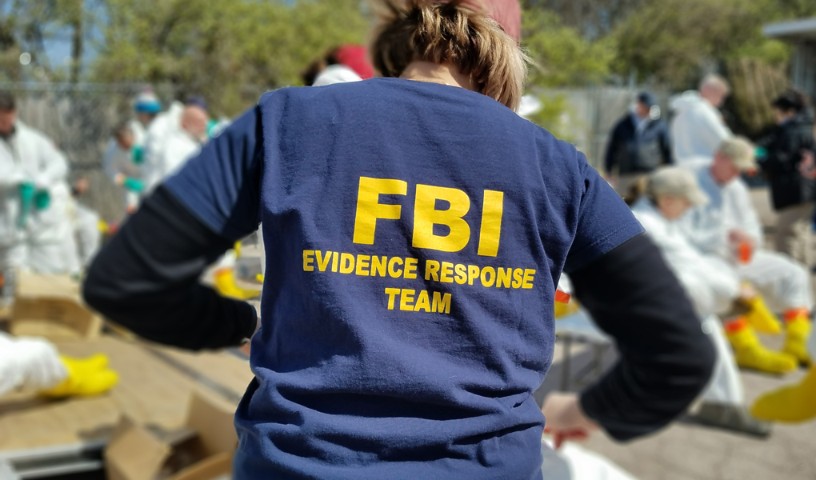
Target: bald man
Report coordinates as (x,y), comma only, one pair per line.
(698,129)
(180,143)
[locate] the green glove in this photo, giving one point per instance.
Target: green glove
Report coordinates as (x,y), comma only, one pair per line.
(133,184)
(137,154)
(42,199)
(27,192)
(212,127)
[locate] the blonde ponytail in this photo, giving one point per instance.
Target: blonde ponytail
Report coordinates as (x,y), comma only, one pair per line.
(449,33)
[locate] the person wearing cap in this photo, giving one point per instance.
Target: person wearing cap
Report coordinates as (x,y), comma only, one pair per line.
(792,194)
(398,366)
(713,286)
(123,159)
(122,162)
(639,143)
(728,226)
(173,138)
(346,63)
(697,127)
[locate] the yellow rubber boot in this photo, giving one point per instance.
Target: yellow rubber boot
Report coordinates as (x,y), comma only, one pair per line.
(749,353)
(796,403)
(564,305)
(798,326)
(86,377)
(226,286)
(762,319)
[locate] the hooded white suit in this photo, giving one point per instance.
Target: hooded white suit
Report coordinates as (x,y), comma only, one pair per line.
(118,161)
(711,284)
(696,129)
(42,240)
(782,282)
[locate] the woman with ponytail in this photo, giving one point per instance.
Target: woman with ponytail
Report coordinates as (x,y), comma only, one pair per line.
(415,229)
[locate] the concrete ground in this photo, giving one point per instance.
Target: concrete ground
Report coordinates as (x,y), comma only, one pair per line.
(687,451)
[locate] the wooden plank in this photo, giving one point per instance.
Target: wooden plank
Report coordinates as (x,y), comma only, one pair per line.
(149,391)
(50,306)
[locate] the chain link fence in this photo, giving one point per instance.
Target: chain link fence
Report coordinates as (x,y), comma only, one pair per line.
(79,118)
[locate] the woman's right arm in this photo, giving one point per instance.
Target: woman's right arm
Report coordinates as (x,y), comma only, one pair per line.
(665,358)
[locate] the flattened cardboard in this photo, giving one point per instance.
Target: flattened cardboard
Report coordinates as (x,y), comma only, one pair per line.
(136,453)
(120,460)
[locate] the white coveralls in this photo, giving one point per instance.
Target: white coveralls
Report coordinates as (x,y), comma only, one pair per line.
(711,284)
(697,130)
(45,242)
(160,130)
(783,283)
(118,161)
(86,232)
(28,363)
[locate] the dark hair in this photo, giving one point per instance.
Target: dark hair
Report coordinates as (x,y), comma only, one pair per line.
(309,75)
(121,128)
(790,100)
(7,101)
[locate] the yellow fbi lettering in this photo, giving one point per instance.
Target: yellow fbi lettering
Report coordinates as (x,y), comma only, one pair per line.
(408,300)
(426,215)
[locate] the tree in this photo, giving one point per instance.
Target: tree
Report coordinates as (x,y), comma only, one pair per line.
(562,57)
(592,18)
(674,41)
(228,51)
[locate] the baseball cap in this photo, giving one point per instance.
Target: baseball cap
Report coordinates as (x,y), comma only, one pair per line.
(506,13)
(147,102)
(646,98)
(355,57)
(740,151)
(675,182)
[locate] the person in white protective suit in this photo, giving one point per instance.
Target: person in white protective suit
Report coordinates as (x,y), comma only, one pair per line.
(34,364)
(122,163)
(697,128)
(124,155)
(35,231)
(164,125)
(713,286)
(86,224)
(181,141)
(728,227)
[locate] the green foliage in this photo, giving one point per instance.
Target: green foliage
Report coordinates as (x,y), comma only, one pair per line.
(560,54)
(671,41)
(554,116)
(228,51)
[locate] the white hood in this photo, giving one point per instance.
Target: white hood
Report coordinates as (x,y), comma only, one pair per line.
(685,101)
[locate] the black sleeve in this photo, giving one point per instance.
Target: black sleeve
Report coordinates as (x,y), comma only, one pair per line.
(611,160)
(665,358)
(147,280)
(665,144)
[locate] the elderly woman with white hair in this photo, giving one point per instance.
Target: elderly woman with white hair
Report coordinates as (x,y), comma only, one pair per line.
(712,284)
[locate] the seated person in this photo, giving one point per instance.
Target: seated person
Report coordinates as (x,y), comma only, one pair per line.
(712,285)
(728,227)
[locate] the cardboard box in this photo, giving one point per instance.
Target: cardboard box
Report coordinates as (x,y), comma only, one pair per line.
(50,306)
(202,450)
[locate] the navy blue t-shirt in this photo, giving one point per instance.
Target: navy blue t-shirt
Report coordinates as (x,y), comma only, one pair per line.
(414,235)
